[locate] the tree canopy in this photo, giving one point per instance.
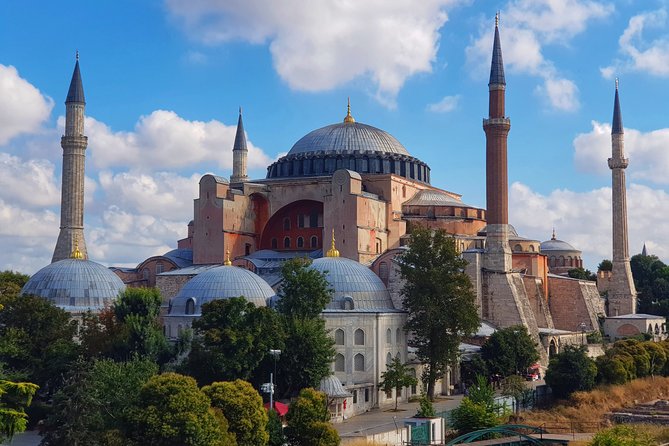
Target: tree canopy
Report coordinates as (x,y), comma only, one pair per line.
(396,377)
(571,370)
(304,292)
(509,351)
(439,299)
(308,421)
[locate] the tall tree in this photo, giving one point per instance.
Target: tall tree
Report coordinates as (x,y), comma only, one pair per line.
(231,339)
(509,351)
(439,299)
(304,292)
(571,370)
(173,411)
(242,406)
(308,421)
(396,377)
(14,399)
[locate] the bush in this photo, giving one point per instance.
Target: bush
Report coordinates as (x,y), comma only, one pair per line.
(622,435)
(571,371)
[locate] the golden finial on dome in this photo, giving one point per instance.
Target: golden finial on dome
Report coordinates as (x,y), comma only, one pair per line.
(349,119)
(76,254)
(332,252)
(227,258)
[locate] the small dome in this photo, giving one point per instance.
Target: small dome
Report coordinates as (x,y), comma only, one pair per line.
(355,286)
(348,137)
(556,245)
(222,282)
(75,285)
(434,197)
(332,387)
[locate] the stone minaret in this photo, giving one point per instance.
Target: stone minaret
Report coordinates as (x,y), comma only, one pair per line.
(622,293)
(72,193)
(497,127)
(239,154)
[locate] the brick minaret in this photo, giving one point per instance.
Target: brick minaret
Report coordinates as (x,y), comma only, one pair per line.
(622,293)
(497,127)
(72,192)
(239,154)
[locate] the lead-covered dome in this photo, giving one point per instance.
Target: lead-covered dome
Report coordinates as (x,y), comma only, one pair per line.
(556,245)
(222,282)
(348,145)
(75,285)
(348,137)
(355,287)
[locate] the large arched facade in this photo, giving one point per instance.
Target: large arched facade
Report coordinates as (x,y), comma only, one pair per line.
(298,226)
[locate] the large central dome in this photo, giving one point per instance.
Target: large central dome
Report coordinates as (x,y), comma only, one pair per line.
(348,145)
(348,137)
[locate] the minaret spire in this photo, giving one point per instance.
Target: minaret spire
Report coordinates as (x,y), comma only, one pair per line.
(497,127)
(622,293)
(239,154)
(74,143)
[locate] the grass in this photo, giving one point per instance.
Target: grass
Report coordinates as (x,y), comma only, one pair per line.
(584,411)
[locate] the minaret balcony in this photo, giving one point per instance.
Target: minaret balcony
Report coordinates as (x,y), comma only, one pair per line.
(496,121)
(618,163)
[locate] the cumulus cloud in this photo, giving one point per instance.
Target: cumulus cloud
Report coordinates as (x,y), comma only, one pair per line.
(639,53)
(583,219)
(29,183)
(647,152)
(320,44)
(23,108)
(163,139)
(527,26)
(447,104)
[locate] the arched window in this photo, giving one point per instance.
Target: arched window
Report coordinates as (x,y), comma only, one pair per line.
(379,246)
(398,336)
(359,337)
(389,336)
(383,270)
(275,244)
(347,303)
(159,268)
(314,241)
(286,224)
(340,338)
(359,363)
(531,248)
(286,242)
(190,306)
(145,274)
(300,242)
(399,356)
(389,358)
(518,248)
(340,363)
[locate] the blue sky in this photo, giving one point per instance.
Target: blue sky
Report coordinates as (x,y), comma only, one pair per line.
(164,79)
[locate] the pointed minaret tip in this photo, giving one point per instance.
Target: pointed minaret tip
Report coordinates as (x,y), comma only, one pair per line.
(497,64)
(644,251)
(240,136)
(617,127)
(553,236)
(76,91)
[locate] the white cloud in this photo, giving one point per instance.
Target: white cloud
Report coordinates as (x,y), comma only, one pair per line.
(526,26)
(647,152)
(321,44)
(447,104)
(163,139)
(639,53)
(23,108)
(30,183)
(583,219)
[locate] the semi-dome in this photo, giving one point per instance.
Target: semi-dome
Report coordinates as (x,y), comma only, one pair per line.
(348,137)
(355,287)
(222,282)
(75,285)
(348,145)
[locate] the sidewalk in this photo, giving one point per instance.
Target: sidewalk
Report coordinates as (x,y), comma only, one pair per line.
(384,420)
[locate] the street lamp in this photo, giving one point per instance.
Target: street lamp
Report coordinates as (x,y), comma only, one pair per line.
(582,326)
(276,354)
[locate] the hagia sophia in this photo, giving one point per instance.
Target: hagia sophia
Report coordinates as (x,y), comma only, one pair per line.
(347,196)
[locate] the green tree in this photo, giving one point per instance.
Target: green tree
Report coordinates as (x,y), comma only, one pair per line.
(439,299)
(571,370)
(275,429)
(174,412)
(425,407)
(11,283)
(515,386)
(605,265)
(622,435)
(611,369)
(36,341)
(242,406)
(231,339)
(14,399)
(582,274)
(308,421)
(478,410)
(396,377)
(509,351)
(304,292)
(95,406)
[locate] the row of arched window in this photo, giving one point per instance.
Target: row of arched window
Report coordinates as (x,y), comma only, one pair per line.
(287,243)
(562,261)
(358,363)
(358,337)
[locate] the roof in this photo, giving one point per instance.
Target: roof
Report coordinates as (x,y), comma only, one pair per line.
(181,257)
(348,137)
(189,270)
(557,245)
(76,91)
(354,283)
(434,197)
(617,127)
(637,316)
(75,285)
(221,282)
(240,137)
(332,387)
(497,64)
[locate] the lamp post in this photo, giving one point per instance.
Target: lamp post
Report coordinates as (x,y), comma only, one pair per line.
(275,354)
(582,326)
